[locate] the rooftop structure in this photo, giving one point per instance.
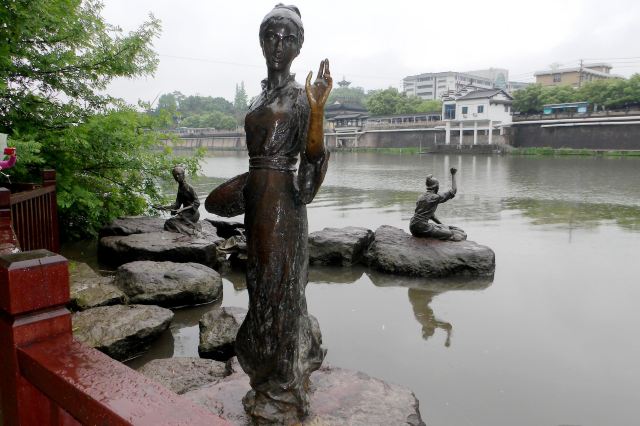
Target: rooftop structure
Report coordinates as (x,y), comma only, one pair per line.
(574,76)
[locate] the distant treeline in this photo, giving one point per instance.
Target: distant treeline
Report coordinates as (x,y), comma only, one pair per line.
(178,110)
(601,94)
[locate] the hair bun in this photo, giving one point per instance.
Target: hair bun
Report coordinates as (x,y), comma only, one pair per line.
(290,7)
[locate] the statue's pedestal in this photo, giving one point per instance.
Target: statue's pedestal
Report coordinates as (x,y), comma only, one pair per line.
(338,397)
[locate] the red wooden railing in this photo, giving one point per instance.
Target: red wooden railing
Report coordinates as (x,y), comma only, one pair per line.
(34,213)
(47,378)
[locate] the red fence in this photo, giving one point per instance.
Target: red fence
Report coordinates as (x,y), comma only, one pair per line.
(47,378)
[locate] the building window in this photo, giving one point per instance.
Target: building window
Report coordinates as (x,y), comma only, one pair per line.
(449,112)
(465,110)
(557,78)
(480,109)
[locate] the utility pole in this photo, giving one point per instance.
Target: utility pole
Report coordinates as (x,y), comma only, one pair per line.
(580,75)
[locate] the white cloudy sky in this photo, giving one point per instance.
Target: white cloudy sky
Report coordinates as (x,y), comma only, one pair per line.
(207,46)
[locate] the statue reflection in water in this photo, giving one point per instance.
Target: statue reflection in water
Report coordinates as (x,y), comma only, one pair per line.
(420,300)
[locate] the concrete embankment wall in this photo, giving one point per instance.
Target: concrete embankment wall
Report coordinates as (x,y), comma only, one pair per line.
(235,142)
(389,139)
(598,137)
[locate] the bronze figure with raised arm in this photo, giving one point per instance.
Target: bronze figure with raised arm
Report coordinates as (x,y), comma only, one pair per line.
(424,222)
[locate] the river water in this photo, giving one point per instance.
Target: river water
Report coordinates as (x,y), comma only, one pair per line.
(551,340)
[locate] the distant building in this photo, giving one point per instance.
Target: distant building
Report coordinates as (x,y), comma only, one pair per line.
(575,76)
(512,86)
(436,84)
(471,111)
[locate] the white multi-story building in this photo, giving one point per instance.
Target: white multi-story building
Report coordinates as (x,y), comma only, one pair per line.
(472,111)
(434,85)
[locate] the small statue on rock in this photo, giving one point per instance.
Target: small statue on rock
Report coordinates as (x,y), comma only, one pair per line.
(185,209)
(424,222)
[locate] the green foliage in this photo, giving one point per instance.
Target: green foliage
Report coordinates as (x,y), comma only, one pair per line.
(608,94)
(106,167)
(56,59)
(211,119)
(202,111)
(347,95)
(56,55)
(390,101)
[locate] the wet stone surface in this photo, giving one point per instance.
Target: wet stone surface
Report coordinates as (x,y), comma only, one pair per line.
(218,330)
(338,397)
(90,290)
(396,252)
(339,246)
(121,331)
(169,284)
(184,374)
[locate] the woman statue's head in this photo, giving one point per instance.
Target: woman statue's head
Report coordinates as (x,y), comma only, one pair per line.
(281,36)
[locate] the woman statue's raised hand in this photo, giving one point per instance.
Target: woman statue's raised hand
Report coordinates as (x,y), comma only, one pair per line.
(317,94)
(319,91)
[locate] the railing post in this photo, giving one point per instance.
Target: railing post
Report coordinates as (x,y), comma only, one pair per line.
(49,179)
(34,289)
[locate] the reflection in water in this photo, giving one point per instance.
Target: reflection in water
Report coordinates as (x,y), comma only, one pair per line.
(420,300)
(576,214)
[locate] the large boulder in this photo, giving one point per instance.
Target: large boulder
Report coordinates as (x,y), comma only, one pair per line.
(227,228)
(133,225)
(396,252)
(161,246)
(339,246)
(90,290)
(338,397)
(218,330)
(184,374)
(169,284)
(121,331)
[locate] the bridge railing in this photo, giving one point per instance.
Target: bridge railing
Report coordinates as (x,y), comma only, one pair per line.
(34,213)
(47,378)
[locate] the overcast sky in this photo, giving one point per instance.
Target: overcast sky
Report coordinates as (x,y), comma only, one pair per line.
(207,46)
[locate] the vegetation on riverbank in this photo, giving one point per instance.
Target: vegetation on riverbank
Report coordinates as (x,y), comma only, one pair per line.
(547,151)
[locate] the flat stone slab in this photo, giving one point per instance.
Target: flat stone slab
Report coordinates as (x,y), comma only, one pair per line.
(184,374)
(90,290)
(339,246)
(397,252)
(160,246)
(169,284)
(218,330)
(227,228)
(121,331)
(129,225)
(338,397)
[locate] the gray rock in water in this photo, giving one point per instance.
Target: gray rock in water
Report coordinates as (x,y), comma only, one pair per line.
(184,374)
(218,330)
(227,228)
(339,246)
(90,290)
(396,252)
(121,331)
(161,246)
(133,225)
(168,284)
(338,397)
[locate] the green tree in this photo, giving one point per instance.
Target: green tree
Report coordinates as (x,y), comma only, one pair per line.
(57,55)
(240,101)
(347,95)
(56,59)
(384,102)
(529,99)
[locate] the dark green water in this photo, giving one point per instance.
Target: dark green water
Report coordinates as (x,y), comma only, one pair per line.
(551,341)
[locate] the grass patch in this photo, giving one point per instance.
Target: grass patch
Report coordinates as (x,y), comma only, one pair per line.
(410,150)
(571,151)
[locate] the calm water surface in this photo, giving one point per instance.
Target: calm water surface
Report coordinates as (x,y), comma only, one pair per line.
(551,340)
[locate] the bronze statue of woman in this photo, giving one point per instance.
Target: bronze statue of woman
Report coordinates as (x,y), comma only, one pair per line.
(279,344)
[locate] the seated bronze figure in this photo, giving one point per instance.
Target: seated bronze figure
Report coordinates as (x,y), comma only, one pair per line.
(185,209)
(424,222)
